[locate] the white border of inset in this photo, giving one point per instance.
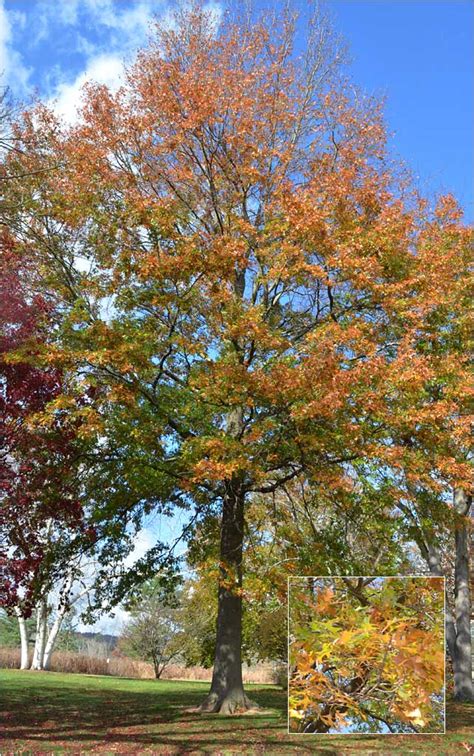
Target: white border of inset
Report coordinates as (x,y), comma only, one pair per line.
(359,734)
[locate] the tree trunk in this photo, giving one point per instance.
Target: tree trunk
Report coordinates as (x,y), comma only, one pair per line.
(156,667)
(432,556)
(52,637)
(40,640)
(23,639)
(227,691)
(63,607)
(463,688)
(458,628)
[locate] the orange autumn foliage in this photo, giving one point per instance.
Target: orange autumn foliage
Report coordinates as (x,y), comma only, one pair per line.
(371,660)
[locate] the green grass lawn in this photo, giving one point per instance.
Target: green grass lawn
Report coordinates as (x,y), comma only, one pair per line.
(49,712)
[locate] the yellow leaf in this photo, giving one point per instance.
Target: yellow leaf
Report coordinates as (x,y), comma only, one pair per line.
(415,716)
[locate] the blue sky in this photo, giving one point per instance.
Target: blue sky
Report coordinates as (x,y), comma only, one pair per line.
(419,53)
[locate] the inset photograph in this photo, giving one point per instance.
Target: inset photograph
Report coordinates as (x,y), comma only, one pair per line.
(366,655)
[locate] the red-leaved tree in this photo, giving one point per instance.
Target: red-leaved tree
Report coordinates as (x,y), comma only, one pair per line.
(38,464)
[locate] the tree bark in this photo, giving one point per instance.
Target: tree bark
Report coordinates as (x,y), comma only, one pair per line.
(40,640)
(458,627)
(432,556)
(227,691)
(23,640)
(52,637)
(56,627)
(156,667)
(463,688)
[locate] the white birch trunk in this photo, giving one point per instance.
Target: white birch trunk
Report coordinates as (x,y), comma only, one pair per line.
(56,627)
(52,636)
(40,640)
(41,617)
(23,639)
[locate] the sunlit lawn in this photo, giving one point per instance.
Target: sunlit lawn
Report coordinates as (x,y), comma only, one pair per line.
(44,712)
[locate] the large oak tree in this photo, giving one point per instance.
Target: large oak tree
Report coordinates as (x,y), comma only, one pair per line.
(247,279)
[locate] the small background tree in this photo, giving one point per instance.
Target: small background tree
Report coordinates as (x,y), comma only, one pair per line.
(155,632)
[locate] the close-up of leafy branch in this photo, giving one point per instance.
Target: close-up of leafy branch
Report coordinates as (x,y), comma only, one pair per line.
(366,655)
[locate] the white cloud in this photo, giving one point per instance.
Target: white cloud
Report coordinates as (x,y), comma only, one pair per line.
(104,32)
(49,12)
(65,12)
(127,28)
(5,36)
(130,21)
(103,69)
(12,68)
(107,624)
(127,19)
(18,18)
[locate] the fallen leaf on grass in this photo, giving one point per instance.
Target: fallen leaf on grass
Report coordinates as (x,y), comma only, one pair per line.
(257,712)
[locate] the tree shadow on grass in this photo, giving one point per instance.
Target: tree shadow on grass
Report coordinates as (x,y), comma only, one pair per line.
(67,715)
(459,716)
(83,717)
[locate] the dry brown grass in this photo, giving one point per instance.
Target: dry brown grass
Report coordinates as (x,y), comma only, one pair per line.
(9,658)
(260,673)
(123,666)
